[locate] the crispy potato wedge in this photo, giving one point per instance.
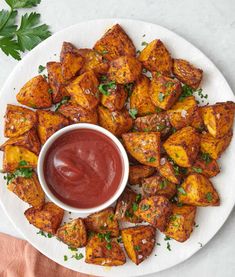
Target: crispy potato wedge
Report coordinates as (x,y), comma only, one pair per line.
(197,190)
(138,172)
(115,99)
(124,70)
(139,242)
(164,91)
(166,170)
(117,122)
(187,73)
(101,252)
(47,218)
(35,93)
(18,120)
(140,98)
(180,225)
(28,189)
(144,147)
(73,233)
(183,146)
(156,210)
(115,43)
(103,222)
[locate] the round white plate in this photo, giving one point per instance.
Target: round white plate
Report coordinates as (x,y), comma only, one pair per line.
(209,219)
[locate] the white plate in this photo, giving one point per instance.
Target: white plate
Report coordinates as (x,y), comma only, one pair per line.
(209,219)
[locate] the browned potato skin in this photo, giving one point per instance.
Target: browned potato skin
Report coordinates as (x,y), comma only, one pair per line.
(35,93)
(139,242)
(140,98)
(18,120)
(197,121)
(197,187)
(187,73)
(73,233)
(48,123)
(28,140)
(117,122)
(124,70)
(180,225)
(115,100)
(218,118)
(144,147)
(163,95)
(138,172)
(71,60)
(115,43)
(76,113)
(166,170)
(98,254)
(47,218)
(103,222)
(155,210)
(183,146)
(156,185)
(155,57)
(213,146)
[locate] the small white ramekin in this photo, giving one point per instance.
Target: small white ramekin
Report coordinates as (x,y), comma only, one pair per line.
(64,130)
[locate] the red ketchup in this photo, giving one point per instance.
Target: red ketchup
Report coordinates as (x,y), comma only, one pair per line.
(83,168)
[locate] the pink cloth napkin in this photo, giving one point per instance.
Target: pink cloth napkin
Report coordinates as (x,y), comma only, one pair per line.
(19,259)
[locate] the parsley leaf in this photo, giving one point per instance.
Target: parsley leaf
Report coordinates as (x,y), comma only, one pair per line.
(7,23)
(64,100)
(20,172)
(209,196)
(10,47)
(206,157)
(17,4)
(151,159)
(182,191)
(105,88)
(133,112)
(197,169)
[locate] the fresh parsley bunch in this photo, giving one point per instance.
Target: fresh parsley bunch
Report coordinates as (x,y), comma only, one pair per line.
(16,39)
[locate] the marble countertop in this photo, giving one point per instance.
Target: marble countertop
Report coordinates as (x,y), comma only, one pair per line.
(209,25)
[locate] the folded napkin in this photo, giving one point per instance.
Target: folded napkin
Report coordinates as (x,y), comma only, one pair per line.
(19,259)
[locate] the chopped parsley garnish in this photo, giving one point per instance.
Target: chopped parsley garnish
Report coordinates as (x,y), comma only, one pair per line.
(137,247)
(128,214)
(119,240)
(209,196)
(41,233)
(109,246)
(163,184)
(22,163)
(105,88)
(78,256)
(160,127)
(41,68)
(196,225)
(129,88)
(144,43)
(159,244)
(200,244)
(134,206)
(64,100)
(169,84)
(182,191)
(138,52)
(72,248)
(151,159)
(20,172)
(44,76)
(144,70)
(206,157)
(158,110)
(111,216)
(197,169)
(145,207)
(168,246)
(133,112)
(186,92)
(103,78)
(161,96)
(50,90)
(167,238)
(49,235)
(65,258)
(138,198)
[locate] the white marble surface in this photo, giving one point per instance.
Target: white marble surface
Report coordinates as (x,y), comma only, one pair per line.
(209,25)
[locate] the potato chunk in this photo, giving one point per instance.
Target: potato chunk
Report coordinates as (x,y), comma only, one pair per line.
(183,146)
(167,170)
(138,172)
(117,122)
(103,222)
(47,218)
(140,98)
(18,120)
(144,147)
(139,242)
(197,190)
(101,252)
(181,223)
(164,91)
(35,93)
(155,210)
(187,73)
(155,57)
(115,43)
(73,233)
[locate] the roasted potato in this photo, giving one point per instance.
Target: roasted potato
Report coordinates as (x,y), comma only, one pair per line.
(180,225)
(213,146)
(18,120)
(183,146)
(164,91)
(139,242)
(117,122)
(167,170)
(103,222)
(73,233)
(115,43)
(13,155)
(47,218)
(35,93)
(84,90)
(197,190)
(140,98)
(187,73)
(197,121)
(144,147)
(101,252)
(218,118)
(138,172)
(156,210)
(76,113)
(155,57)
(71,60)
(48,123)
(28,190)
